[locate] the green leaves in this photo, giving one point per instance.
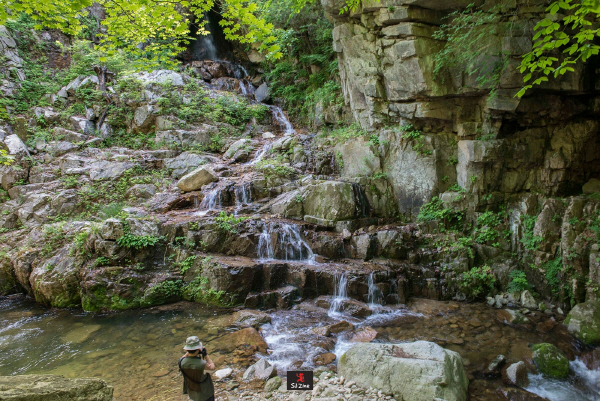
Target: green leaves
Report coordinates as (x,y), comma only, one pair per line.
(5,158)
(558,45)
(153,30)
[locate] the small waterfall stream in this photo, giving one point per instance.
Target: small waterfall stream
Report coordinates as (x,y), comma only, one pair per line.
(363,208)
(375,296)
(212,201)
(282,120)
(283,241)
(243,195)
(260,154)
(340,294)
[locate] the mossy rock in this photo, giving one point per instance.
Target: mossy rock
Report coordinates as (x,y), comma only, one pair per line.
(583,322)
(550,360)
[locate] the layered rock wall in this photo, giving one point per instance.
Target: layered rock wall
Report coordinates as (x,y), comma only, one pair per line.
(475,132)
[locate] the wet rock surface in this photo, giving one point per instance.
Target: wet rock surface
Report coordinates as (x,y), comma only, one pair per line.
(52,387)
(408,371)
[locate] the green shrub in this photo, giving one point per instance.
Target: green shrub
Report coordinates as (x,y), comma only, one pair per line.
(161,293)
(477,282)
(435,210)
(518,281)
(227,222)
(554,269)
(137,242)
(529,240)
(487,229)
(186,264)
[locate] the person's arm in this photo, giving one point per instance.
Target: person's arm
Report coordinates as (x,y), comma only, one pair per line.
(209,363)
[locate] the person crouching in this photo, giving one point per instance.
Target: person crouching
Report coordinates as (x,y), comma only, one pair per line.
(196,384)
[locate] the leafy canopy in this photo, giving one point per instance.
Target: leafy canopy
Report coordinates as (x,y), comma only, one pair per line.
(152,30)
(570,28)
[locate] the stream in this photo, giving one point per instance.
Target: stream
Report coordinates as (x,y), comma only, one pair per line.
(136,351)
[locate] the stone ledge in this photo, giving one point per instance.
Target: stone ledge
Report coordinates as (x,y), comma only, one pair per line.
(53,388)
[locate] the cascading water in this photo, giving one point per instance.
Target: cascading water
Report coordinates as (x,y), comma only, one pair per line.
(204,47)
(375,296)
(586,385)
(363,209)
(282,120)
(243,195)
(340,294)
(260,154)
(283,242)
(212,201)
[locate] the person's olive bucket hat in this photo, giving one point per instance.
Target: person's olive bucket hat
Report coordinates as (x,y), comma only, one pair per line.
(192,343)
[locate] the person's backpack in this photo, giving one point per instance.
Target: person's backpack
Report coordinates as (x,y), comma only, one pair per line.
(208,379)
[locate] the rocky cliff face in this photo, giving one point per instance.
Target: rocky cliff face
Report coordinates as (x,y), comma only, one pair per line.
(187,191)
(465,137)
(496,144)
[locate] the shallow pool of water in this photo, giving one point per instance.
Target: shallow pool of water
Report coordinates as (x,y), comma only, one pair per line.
(137,351)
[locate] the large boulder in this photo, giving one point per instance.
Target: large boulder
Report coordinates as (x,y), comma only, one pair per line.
(56,282)
(200,136)
(53,388)
(250,318)
(197,179)
(160,77)
(330,200)
(262,92)
(187,162)
(418,371)
(247,338)
(550,360)
(107,170)
(584,322)
(261,370)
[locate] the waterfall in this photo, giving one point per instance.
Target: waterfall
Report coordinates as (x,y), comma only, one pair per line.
(243,194)
(375,297)
(340,294)
(282,120)
(212,200)
(260,154)
(265,245)
(246,87)
(288,244)
(204,47)
(363,209)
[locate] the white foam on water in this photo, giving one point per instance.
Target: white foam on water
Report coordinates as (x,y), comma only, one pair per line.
(260,154)
(282,241)
(340,294)
(583,384)
(282,120)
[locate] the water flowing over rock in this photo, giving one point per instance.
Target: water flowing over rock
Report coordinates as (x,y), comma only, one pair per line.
(340,293)
(419,371)
(283,242)
(281,120)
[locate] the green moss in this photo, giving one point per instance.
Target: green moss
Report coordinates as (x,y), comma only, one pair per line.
(95,300)
(162,293)
(119,303)
(550,360)
(198,290)
(66,300)
(584,322)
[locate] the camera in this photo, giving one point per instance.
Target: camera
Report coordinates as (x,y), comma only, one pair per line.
(204,353)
